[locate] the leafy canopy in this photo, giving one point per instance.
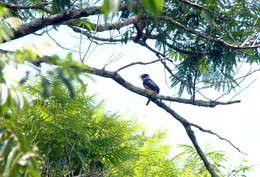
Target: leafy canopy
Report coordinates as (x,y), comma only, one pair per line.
(205,40)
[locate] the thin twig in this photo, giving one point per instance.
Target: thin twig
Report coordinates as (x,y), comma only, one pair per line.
(244,89)
(137,63)
(213,133)
(213,13)
(59,45)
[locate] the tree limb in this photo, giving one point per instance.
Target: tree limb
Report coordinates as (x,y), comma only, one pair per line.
(70,16)
(14,6)
(210,38)
(137,63)
(129,86)
(108,26)
(93,37)
(189,52)
(157,100)
(117,78)
(40,23)
(136,19)
(56,19)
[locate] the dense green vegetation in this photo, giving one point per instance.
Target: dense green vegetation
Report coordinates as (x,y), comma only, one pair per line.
(64,136)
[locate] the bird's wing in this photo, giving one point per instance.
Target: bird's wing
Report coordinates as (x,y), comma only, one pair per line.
(151,85)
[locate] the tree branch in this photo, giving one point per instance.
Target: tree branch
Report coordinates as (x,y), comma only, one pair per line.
(56,19)
(70,16)
(157,99)
(202,103)
(17,6)
(108,26)
(213,133)
(210,38)
(40,23)
(140,91)
(189,52)
(137,63)
(117,78)
(136,19)
(213,13)
(145,93)
(102,39)
(186,124)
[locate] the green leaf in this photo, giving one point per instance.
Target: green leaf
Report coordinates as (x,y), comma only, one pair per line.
(5,144)
(153,6)
(3,11)
(46,87)
(85,24)
(5,32)
(17,156)
(106,8)
(67,83)
(181,89)
(18,99)
(110,6)
(11,160)
(60,5)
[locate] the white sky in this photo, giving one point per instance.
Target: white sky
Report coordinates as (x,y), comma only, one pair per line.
(239,123)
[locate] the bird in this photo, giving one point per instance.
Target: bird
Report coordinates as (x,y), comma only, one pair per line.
(149,84)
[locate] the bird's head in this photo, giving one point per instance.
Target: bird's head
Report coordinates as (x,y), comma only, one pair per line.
(144,76)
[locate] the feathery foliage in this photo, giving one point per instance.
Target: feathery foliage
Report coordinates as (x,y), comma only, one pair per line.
(64,136)
(75,135)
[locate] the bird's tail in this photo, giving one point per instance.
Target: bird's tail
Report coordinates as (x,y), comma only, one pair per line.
(148,102)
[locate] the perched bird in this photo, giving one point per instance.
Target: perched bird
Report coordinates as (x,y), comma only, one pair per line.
(149,84)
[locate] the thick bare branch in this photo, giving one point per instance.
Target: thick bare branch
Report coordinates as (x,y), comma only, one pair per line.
(109,26)
(187,125)
(113,75)
(18,6)
(93,37)
(157,100)
(56,19)
(196,102)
